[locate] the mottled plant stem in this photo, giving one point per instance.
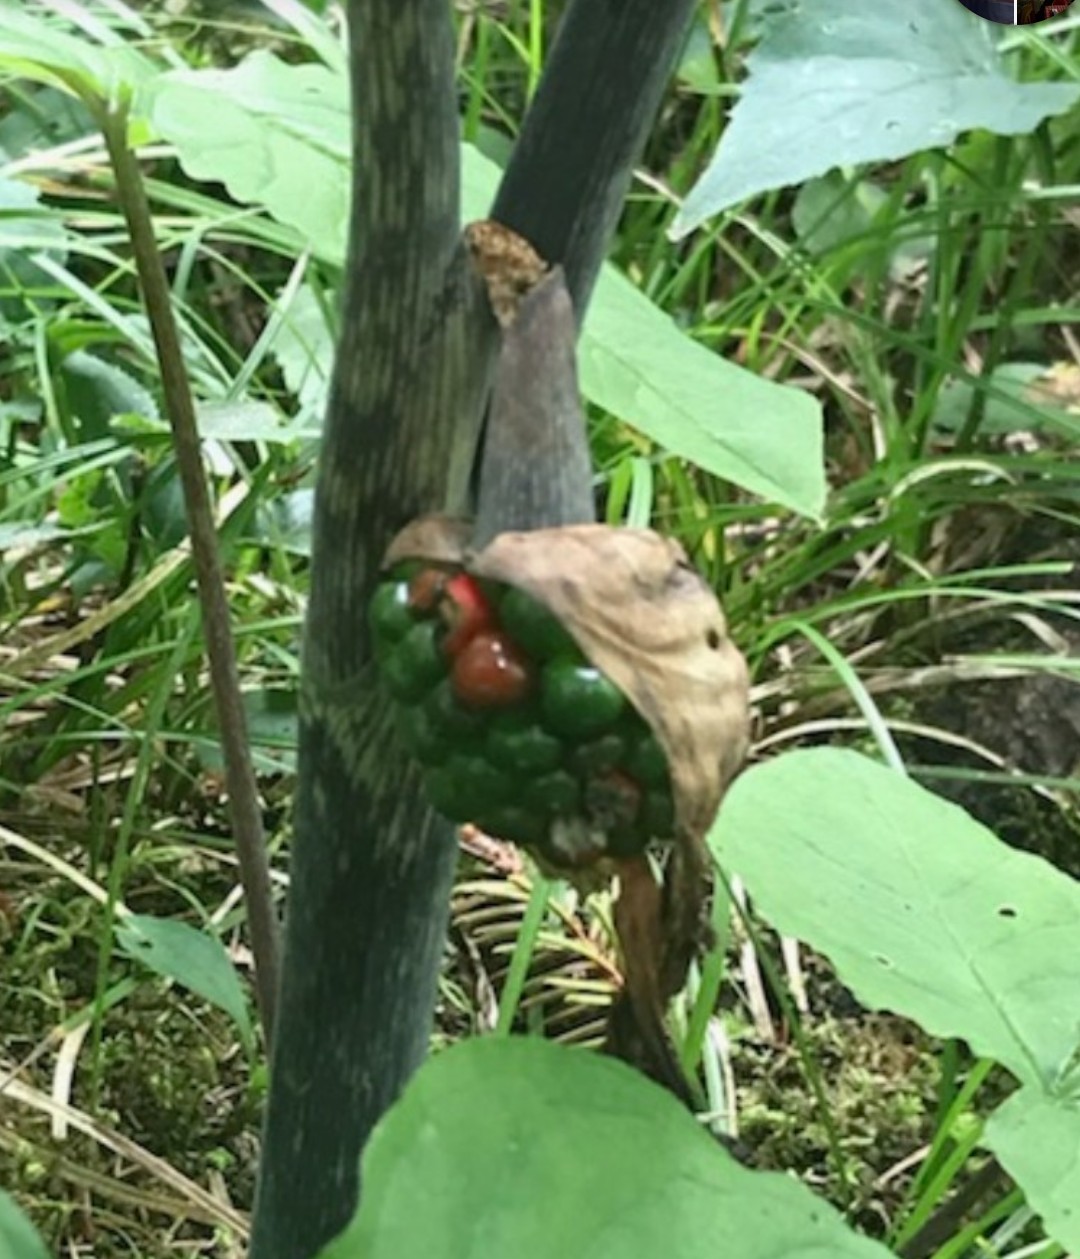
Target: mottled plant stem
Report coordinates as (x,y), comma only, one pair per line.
(371,867)
(598,98)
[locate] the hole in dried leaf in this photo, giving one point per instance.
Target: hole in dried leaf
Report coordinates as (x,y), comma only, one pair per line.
(712,637)
(571,592)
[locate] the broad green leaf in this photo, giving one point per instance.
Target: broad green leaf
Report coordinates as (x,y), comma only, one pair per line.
(39,118)
(1036,1137)
(18,1239)
(836,85)
(523,1148)
(278,136)
(244,420)
(25,228)
(287,521)
(34,48)
(95,391)
(922,910)
(162,510)
(636,364)
(19,537)
(1022,398)
(249,421)
(191,957)
(272,719)
(303,346)
(832,211)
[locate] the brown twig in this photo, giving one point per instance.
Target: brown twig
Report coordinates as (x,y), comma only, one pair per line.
(244,809)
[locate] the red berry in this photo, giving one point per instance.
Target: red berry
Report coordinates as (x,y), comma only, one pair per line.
(466,611)
(490,672)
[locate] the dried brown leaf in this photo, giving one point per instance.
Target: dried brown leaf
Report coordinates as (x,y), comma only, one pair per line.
(438,539)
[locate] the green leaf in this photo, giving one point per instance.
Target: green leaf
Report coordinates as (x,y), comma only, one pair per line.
(41,50)
(191,957)
(15,536)
(278,136)
(921,910)
(249,421)
(272,715)
(303,347)
(287,521)
(1020,401)
(1036,1137)
(18,1239)
(520,1147)
(836,85)
(96,391)
(832,211)
(636,364)
(26,228)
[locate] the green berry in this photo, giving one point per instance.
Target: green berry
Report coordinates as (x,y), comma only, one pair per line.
(578,701)
(389,616)
(449,718)
(413,667)
(645,759)
(513,823)
(535,628)
(446,795)
(557,794)
(466,787)
(515,742)
(423,739)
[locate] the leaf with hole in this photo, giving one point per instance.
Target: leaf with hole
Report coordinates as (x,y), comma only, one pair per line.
(191,957)
(832,86)
(922,910)
(524,1148)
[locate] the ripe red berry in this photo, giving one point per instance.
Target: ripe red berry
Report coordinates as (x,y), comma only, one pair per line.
(490,672)
(465,610)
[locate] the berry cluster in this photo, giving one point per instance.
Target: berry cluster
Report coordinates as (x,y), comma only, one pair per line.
(516,731)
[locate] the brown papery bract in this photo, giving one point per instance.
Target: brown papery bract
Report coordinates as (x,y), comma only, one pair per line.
(646,618)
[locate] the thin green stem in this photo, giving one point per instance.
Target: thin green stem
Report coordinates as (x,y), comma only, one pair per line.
(524,947)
